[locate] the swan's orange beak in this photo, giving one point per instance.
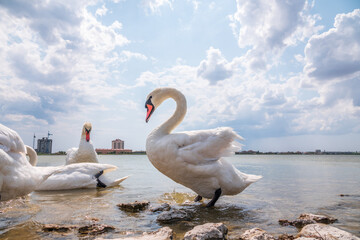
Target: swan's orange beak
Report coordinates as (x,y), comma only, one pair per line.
(87,132)
(150,109)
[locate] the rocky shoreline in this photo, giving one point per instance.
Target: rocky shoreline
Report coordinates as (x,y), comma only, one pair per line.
(310,227)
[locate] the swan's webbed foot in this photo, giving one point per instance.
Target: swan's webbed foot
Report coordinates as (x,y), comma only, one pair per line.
(198,198)
(99,183)
(215,198)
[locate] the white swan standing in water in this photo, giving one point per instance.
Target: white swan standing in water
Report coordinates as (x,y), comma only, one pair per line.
(86,151)
(74,176)
(194,158)
(17,176)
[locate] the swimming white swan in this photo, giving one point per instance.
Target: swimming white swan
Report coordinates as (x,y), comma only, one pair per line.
(86,151)
(194,158)
(17,176)
(74,176)
(77,175)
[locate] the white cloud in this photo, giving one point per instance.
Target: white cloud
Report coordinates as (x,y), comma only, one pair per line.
(57,62)
(321,119)
(154,5)
(267,27)
(333,67)
(128,55)
(273,97)
(101,11)
(215,68)
(336,53)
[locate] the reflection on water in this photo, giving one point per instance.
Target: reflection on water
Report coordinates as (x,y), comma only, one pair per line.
(291,185)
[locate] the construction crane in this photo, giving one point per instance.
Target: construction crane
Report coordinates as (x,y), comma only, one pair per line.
(34,141)
(49,134)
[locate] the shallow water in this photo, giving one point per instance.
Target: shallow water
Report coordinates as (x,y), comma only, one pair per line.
(291,185)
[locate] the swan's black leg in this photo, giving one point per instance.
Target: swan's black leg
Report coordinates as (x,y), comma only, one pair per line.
(99,174)
(215,198)
(99,183)
(198,198)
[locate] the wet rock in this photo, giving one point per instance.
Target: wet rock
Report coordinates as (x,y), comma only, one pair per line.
(174,216)
(285,237)
(161,208)
(322,231)
(95,229)
(306,219)
(58,228)
(134,206)
(213,231)
(344,195)
(284,222)
(318,218)
(256,234)
(299,223)
(164,233)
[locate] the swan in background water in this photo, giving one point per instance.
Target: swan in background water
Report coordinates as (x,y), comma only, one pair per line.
(74,176)
(86,151)
(17,176)
(194,158)
(82,169)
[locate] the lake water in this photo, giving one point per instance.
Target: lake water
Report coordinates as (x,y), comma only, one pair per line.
(291,185)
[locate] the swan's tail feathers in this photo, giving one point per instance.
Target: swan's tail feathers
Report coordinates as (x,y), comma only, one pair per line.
(253,178)
(238,137)
(118,181)
(110,168)
(236,146)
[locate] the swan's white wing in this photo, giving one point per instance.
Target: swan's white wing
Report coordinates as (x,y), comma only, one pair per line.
(200,147)
(18,177)
(70,155)
(73,176)
(10,140)
(71,151)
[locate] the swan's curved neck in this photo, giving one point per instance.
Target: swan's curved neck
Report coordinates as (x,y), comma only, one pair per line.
(32,155)
(178,115)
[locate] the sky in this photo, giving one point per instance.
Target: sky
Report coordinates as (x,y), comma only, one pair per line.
(285,75)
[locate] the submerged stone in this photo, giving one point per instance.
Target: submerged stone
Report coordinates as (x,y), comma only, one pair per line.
(306,219)
(318,218)
(58,228)
(161,208)
(174,216)
(134,206)
(95,229)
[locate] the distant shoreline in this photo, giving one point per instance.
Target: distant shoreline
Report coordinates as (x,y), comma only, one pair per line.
(123,153)
(236,153)
(250,152)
